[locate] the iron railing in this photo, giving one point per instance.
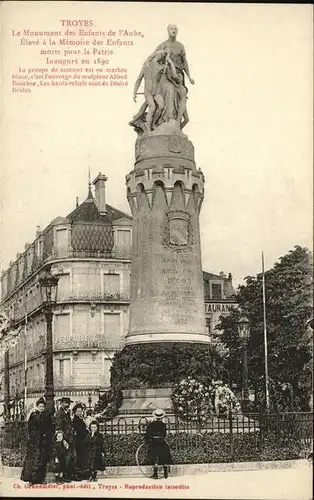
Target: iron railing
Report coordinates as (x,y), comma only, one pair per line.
(253,437)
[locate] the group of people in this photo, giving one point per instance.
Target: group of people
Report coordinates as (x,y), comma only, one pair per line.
(75,448)
(72,445)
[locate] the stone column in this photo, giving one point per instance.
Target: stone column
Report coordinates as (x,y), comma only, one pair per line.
(165,192)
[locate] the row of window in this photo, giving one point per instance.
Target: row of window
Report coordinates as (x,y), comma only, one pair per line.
(112,285)
(123,242)
(65,371)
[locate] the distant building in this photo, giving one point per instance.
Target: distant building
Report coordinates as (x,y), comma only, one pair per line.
(90,251)
(219,296)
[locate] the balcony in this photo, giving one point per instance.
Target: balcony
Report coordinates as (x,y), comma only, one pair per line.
(36,383)
(89,342)
(85,296)
(37,348)
(95,381)
(76,342)
(64,253)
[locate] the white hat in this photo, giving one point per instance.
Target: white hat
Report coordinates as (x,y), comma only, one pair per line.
(159,413)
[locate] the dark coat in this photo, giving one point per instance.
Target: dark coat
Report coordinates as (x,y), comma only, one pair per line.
(158,448)
(80,435)
(63,423)
(94,458)
(59,452)
(39,429)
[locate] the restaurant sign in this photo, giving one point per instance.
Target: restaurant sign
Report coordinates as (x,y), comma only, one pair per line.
(218,308)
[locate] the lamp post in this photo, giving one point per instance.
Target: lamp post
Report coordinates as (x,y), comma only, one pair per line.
(48,284)
(244,334)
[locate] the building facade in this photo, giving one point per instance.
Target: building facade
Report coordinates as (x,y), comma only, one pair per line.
(90,252)
(219,296)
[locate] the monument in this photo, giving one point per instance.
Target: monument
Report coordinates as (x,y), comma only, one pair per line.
(165,191)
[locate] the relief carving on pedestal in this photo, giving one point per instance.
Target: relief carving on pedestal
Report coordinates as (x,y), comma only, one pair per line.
(175,144)
(177,231)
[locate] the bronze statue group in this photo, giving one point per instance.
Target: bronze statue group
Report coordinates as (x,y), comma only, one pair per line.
(70,441)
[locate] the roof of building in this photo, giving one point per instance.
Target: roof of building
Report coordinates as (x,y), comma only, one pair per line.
(229,291)
(88,212)
(211,276)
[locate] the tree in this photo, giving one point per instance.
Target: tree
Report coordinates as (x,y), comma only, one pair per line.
(288,287)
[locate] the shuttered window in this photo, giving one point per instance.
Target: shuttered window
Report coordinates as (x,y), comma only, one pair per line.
(124,242)
(111,284)
(216,291)
(61,325)
(112,329)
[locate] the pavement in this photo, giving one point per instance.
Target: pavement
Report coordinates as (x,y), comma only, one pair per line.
(292,483)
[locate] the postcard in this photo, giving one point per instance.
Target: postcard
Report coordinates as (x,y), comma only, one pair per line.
(150,152)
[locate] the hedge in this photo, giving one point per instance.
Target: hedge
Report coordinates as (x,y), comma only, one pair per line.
(196,448)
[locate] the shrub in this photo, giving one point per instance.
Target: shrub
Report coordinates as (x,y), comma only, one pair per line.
(108,405)
(163,365)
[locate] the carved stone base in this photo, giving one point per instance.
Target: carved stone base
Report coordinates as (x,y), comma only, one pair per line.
(145,401)
(163,145)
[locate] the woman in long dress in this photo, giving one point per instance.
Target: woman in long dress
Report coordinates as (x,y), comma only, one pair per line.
(38,444)
(80,435)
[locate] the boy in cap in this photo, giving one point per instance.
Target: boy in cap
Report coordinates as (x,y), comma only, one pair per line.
(159,452)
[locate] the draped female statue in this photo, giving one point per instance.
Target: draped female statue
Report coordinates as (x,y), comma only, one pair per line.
(164,86)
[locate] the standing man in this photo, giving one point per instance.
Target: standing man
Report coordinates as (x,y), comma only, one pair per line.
(63,423)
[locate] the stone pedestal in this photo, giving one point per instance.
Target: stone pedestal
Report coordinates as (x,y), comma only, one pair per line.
(145,401)
(165,193)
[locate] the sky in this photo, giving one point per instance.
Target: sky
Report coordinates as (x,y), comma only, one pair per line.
(250,122)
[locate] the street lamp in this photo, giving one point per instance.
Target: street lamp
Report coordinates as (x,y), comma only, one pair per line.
(244,334)
(48,284)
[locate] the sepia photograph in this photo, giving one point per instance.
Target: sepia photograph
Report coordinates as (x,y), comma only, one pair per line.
(156,266)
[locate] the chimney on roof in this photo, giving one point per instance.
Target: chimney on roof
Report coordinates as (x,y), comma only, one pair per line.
(100,192)
(77,202)
(38,231)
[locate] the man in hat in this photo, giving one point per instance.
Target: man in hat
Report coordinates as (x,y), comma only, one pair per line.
(63,423)
(159,452)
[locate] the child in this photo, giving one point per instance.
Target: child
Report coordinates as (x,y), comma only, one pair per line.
(95,452)
(60,457)
(159,451)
